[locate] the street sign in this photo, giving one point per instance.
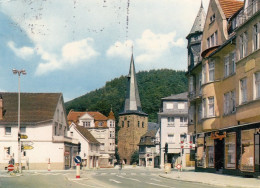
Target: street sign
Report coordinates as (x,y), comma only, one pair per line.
(23,136)
(27,147)
(10,167)
(77,159)
(178,166)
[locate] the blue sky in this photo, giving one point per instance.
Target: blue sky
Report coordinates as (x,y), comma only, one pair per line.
(76,46)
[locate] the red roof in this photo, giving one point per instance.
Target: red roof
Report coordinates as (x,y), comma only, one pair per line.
(230,7)
(97,116)
(74,116)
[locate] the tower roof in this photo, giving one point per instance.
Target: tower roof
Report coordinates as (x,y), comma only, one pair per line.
(198,24)
(132,99)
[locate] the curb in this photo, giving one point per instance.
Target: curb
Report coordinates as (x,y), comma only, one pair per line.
(207,183)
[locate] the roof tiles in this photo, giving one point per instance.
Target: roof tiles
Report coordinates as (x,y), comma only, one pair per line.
(230,7)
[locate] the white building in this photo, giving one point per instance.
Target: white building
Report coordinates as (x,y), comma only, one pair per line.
(89,146)
(173,120)
(102,128)
(43,120)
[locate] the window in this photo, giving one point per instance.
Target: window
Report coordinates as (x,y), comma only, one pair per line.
(211,71)
(243,45)
(123,123)
(169,106)
(230,150)
(183,121)
(86,123)
(247,150)
(216,38)
(23,130)
(212,40)
(243,90)
(102,146)
(8,130)
(226,103)
(208,42)
(233,101)
(142,124)
(181,105)
(204,108)
(128,123)
(255,37)
(203,74)
(257,85)
(170,121)
(226,66)
(100,124)
(71,134)
(210,150)
(211,106)
(233,63)
(200,112)
(170,138)
(58,115)
(191,88)
(138,123)
(212,18)
(111,134)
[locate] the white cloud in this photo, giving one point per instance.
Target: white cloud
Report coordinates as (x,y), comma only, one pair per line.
(23,52)
(79,50)
(120,49)
(154,45)
(72,53)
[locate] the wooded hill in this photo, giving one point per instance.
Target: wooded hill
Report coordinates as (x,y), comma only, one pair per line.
(153,85)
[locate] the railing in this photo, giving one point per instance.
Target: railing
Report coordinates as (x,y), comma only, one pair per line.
(248,12)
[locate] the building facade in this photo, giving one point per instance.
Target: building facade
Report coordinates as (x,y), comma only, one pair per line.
(227,135)
(133,122)
(102,128)
(173,120)
(44,122)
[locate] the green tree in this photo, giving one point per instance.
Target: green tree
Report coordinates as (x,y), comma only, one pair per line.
(135,158)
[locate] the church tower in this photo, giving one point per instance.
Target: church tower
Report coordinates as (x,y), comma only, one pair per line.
(133,122)
(194,39)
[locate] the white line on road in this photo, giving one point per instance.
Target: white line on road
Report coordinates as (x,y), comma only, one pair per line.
(84,184)
(156,180)
(129,178)
(158,185)
(114,181)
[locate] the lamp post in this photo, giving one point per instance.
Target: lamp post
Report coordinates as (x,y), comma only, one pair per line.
(19,72)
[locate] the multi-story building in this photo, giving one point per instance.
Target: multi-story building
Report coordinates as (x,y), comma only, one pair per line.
(149,147)
(173,120)
(102,128)
(133,122)
(43,122)
(227,138)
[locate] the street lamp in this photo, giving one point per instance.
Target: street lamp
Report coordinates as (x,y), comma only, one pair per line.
(19,72)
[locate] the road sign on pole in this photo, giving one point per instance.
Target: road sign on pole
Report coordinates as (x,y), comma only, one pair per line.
(10,168)
(77,159)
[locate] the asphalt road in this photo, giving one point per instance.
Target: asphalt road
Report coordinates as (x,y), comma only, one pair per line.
(102,178)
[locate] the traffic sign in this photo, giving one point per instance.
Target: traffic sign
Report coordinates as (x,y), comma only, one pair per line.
(27,147)
(178,166)
(10,167)
(77,159)
(23,136)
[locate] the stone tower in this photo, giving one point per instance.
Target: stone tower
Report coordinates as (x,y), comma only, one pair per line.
(194,39)
(133,122)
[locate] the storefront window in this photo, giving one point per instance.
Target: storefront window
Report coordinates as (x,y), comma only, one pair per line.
(200,151)
(230,151)
(210,152)
(247,150)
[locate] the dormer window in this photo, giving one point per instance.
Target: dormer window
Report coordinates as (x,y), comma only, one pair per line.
(100,124)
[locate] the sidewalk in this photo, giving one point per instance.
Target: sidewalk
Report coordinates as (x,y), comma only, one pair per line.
(213,179)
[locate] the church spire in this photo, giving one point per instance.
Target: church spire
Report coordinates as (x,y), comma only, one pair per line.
(132,100)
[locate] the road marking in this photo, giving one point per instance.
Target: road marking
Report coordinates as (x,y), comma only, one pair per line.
(158,185)
(156,180)
(84,184)
(129,178)
(114,181)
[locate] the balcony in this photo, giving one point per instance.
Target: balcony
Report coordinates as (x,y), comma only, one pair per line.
(248,12)
(194,95)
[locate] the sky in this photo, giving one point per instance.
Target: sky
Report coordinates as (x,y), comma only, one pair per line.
(76,46)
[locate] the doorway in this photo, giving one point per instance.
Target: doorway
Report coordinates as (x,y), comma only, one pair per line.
(219,154)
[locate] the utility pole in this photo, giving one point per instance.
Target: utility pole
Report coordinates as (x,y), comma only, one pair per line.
(19,72)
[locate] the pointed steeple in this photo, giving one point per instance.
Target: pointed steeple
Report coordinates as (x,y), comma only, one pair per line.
(132,100)
(199,22)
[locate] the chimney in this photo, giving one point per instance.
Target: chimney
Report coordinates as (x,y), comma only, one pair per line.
(1,107)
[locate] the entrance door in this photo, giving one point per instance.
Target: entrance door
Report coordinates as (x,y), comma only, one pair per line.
(257,153)
(219,154)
